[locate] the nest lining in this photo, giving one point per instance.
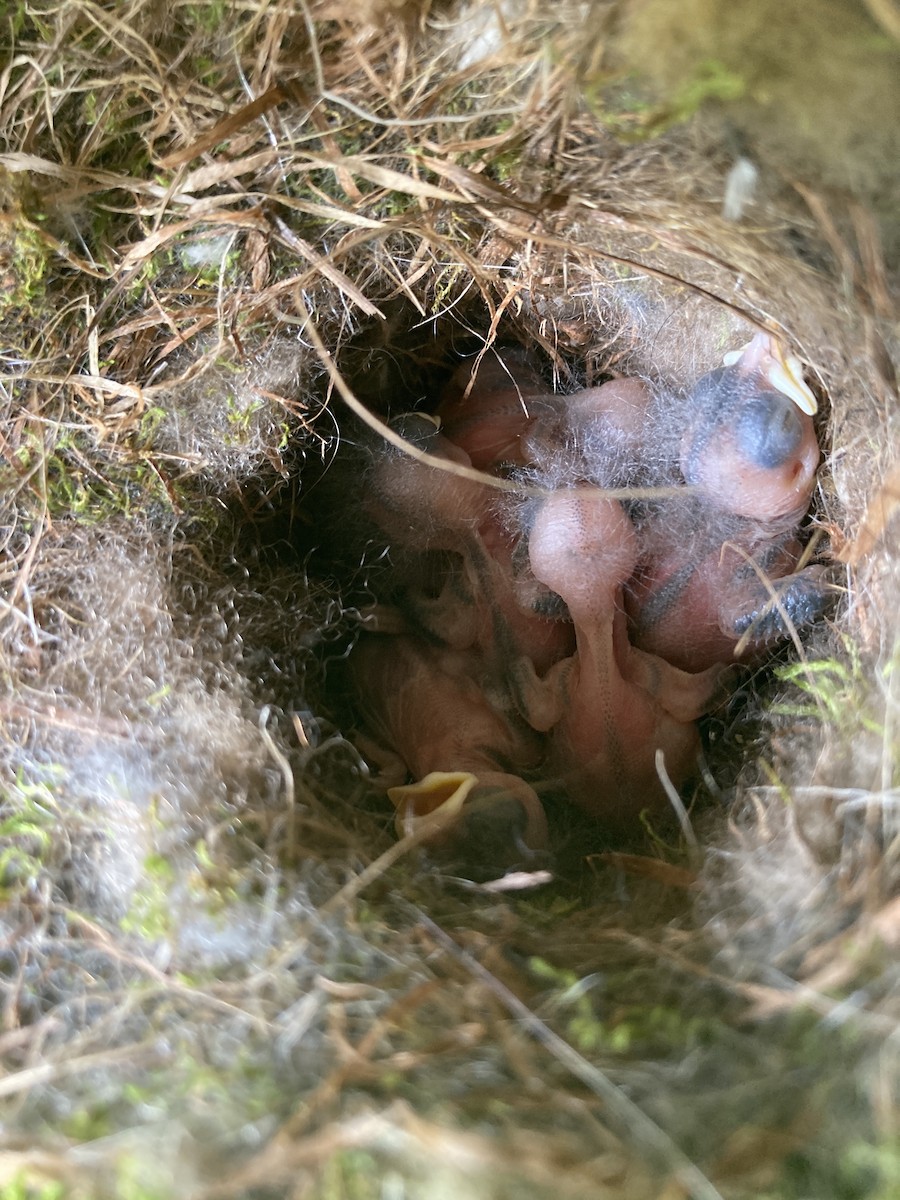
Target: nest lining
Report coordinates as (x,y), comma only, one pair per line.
(169,817)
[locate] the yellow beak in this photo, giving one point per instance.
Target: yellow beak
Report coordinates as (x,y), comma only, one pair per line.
(435,800)
(783,371)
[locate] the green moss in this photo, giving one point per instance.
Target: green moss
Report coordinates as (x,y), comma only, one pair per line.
(878,1162)
(77,493)
(350,1175)
(217,884)
(213,259)
(626,1029)
(208,18)
(505,166)
(628,114)
(838,691)
(151,421)
(150,911)
(17,17)
(134,1181)
(68,479)
(446,287)
(26,1187)
(29,818)
(712,80)
(863,1170)
(239,414)
(25,259)
(87,1123)
(197,265)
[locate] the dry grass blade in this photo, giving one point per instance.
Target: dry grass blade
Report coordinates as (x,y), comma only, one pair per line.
(236,241)
(634,1123)
(226,128)
(49,1072)
(882,510)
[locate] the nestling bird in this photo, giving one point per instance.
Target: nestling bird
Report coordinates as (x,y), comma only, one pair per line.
(576,634)
(434,708)
(713,557)
(609,707)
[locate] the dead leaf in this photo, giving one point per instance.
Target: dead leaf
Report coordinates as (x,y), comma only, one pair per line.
(881,510)
(648,868)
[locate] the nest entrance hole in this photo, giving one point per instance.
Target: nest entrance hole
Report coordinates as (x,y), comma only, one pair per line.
(321,530)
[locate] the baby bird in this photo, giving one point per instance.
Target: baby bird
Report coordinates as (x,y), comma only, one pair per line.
(610,707)
(487,408)
(574,634)
(435,709)
(480,599)
(714,559)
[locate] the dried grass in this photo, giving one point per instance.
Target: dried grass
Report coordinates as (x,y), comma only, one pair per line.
(224,224)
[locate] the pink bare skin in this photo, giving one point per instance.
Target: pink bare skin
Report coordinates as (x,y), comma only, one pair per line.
(487,407)
(602,431)
(749,453)
(420,505)
(751,449)
(499,412)
(623,402)
(711,561)
(609,708)
(487,606)
(430,706)
(597,635)
(697,615)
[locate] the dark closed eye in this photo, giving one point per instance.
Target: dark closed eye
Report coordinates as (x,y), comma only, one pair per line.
(419,428)
(769,430)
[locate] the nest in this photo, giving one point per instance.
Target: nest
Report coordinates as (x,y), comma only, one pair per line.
(236,240)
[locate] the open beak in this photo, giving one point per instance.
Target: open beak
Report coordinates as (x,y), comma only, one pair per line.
(436,808)
(434,802)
